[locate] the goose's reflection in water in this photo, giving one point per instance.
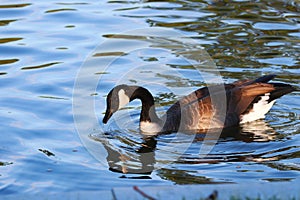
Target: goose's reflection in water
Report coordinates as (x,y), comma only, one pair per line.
(256,131)
(133,161)
(139,158)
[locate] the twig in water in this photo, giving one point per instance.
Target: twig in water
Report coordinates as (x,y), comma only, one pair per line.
(143,193)
(213,196)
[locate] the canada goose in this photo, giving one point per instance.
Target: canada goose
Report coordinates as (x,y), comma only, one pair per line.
(246,101)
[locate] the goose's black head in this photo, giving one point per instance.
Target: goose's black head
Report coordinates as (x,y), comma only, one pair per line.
(116,99)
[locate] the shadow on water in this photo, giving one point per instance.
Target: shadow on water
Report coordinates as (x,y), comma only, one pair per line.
(132,158)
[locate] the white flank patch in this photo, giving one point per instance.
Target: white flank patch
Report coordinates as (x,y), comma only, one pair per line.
(259,109)
(123,99)
(150,128)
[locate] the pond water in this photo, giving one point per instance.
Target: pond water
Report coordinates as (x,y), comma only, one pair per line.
(59,59)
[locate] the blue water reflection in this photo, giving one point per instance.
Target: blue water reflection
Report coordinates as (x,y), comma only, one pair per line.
(43,45)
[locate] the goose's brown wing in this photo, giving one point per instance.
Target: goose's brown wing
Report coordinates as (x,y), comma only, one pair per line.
(195,111)
(219,90)
(223,106)
(210,107)
(240,98)
(202,93)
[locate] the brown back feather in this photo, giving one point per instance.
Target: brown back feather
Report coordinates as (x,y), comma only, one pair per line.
(239,94)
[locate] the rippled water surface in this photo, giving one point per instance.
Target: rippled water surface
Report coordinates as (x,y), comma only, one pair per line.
(58,60)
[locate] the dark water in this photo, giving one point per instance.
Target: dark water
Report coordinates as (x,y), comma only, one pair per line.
(58,60)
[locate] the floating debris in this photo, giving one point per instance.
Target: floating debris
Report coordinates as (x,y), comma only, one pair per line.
(48,153)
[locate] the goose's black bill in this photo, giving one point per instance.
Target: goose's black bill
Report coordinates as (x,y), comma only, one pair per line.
(107,116)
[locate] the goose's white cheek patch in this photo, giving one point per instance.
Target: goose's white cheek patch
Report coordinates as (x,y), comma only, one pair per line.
(259,109)
(123,99)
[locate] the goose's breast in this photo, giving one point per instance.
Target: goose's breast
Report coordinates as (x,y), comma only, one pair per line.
(150,128)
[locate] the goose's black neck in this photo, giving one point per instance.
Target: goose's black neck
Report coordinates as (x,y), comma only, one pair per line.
(148,113)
